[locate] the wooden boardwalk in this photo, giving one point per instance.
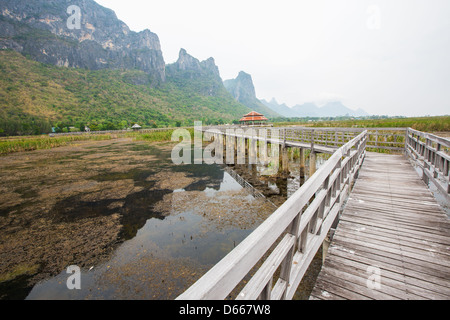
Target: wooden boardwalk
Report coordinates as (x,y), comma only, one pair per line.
(392,241)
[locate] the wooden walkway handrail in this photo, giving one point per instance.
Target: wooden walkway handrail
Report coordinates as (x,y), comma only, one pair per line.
(298,229)
(430,153)
(272,135)
(328,139)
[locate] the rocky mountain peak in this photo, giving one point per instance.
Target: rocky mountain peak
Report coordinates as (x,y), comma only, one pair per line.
(187,62)
(195,68)
(242,87)
(243,90)
(210,66)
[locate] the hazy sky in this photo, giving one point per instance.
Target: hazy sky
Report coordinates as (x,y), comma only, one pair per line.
(388,57)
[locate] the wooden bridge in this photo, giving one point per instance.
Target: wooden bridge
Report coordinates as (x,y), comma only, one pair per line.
(390,239)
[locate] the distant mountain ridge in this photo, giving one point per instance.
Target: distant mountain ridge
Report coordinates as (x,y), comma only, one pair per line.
(330,109)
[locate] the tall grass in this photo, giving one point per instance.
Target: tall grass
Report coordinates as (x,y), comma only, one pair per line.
(44,142)
(12,145)
(157,136)
(425,124)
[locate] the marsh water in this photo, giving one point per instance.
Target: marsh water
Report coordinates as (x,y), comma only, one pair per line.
(138,226)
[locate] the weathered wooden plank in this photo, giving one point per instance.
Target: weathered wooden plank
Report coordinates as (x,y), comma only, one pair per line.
(395,243)
(427,233)
(405,225)
(326,290)
(415,212)
(393,277)
(394,265)
(404,262)
(389,288)
(421,203)
(347,281)
(390,231)
(404,195)
(423,258)
(409,215)
(405,240)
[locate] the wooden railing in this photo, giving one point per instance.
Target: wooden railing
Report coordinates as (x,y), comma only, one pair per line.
(386,139)
(378,139)
(432,154)
(296,229)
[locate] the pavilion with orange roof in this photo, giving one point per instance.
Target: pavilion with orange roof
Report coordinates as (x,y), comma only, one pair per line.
(254,118)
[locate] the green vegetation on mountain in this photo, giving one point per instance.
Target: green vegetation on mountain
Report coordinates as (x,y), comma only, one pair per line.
(35,97)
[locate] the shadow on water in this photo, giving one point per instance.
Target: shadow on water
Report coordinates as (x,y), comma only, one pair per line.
(17,289)
(134,210)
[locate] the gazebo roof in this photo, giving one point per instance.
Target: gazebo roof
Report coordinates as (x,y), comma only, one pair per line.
(136,126)
(253,116)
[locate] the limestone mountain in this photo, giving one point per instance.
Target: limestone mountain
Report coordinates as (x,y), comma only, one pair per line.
(243,90)
(41,29)
(194,67)
(203,77)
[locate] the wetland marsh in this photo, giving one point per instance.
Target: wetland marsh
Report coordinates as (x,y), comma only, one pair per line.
(138,226)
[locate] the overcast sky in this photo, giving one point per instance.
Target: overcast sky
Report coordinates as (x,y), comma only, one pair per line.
(388,57)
